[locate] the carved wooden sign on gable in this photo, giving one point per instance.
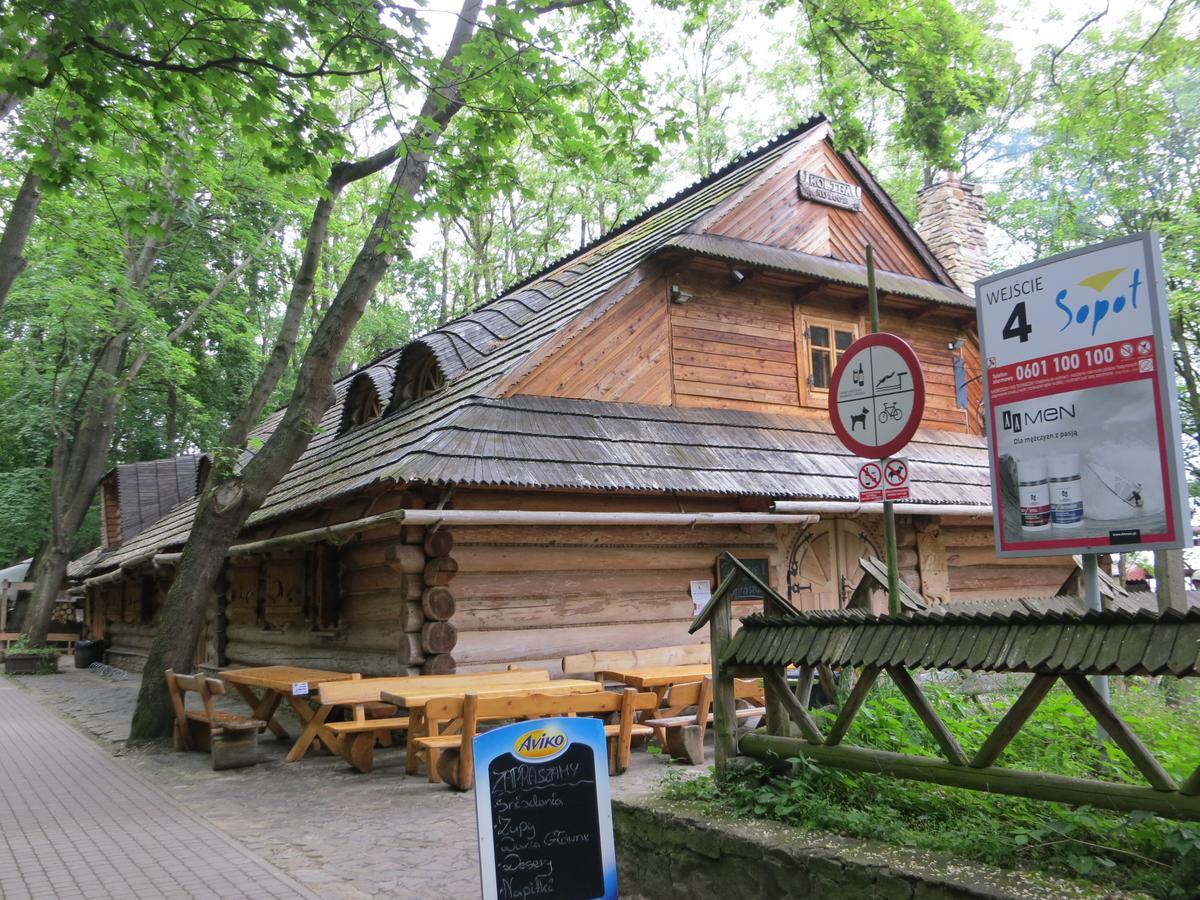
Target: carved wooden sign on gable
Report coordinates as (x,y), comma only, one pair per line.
(829,191)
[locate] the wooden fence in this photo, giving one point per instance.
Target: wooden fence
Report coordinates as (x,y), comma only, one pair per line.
(1050,639)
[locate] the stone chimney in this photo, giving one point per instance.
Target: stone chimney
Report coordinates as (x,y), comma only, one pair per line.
(951,220)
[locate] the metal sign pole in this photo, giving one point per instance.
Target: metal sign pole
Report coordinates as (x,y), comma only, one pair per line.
(889,514)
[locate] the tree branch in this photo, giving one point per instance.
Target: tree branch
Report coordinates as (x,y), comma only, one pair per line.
(234,62)
(1065,47)
(132,371)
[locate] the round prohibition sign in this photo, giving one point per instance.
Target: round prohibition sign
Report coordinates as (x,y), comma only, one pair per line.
(877,396)
(896,472)
(869,476)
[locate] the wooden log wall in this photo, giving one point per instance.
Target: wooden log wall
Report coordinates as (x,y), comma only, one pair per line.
(974,572)
(274,612)
(394,606)
(116,603)
(411,600)
(531,595)
(129,644)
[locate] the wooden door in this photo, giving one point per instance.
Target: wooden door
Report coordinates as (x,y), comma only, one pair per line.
(823,560)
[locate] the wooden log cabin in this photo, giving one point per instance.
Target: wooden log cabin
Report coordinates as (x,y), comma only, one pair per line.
(524,482)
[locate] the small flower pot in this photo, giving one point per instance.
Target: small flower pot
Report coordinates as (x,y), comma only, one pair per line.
(30,663)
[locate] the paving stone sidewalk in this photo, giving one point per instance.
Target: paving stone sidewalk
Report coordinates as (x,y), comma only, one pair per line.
(76,822)
(344,835)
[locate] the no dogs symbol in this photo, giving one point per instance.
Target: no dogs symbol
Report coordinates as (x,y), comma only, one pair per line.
(895,479)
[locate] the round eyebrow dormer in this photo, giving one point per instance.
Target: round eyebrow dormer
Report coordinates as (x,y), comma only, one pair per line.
(367,397)
(418,374)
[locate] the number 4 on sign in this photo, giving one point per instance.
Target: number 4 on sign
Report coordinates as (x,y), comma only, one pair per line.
(1017,325)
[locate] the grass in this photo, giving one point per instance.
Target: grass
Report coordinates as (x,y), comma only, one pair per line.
(1138,851)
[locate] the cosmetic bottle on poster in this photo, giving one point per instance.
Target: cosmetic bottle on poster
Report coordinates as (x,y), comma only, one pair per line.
(1065,481)
(1034,491)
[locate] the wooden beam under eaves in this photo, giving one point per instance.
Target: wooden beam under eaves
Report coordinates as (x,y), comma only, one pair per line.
(807,290)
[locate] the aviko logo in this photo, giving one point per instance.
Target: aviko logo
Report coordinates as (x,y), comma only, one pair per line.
(1016,420)
(540,743)
(1097,306)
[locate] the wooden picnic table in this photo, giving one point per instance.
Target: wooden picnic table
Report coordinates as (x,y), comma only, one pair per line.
(658,679)
(414,701)
(276,683)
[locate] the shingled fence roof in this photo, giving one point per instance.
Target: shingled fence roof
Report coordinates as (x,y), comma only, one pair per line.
(463,434)
(1054,634)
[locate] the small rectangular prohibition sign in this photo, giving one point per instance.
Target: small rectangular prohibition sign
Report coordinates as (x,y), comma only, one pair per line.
(870,482)
(895,479)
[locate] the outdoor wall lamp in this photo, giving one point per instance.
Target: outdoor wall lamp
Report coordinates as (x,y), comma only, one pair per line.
(679,297)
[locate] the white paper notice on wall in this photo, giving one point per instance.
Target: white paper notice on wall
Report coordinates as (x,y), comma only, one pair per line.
(701,594)
(299,688)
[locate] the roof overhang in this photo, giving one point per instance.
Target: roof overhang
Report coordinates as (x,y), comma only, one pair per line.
(823,268)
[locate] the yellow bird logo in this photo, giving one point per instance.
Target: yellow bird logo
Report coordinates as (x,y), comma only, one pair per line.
(1101,280)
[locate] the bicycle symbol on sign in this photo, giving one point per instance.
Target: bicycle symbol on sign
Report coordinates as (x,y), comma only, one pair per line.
(889,411)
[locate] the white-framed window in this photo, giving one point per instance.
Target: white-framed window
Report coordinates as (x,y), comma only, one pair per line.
(825,341)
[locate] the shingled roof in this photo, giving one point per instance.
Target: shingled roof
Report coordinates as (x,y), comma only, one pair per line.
(1044,635)
(148,489)
(464,434)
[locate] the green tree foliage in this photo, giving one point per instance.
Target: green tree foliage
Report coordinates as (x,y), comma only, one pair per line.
(25,515)
(1113,144)
(259,65)
(928,54)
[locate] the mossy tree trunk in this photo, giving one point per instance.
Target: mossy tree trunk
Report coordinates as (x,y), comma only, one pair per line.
(233,494)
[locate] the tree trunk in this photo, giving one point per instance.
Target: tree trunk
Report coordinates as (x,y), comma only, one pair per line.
(222,512)
(172,426)
(81,449)
(8,102)
(16,232)
(76,469)
(285,341)
(49,570)
(236,495)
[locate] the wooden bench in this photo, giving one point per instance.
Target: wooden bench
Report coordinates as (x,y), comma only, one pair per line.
(452,754)
(588,664)
(685,734)
(231,739)
(8,638)
(373,721)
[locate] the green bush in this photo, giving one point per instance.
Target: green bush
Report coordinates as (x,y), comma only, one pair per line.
(21,646)
(1140,851)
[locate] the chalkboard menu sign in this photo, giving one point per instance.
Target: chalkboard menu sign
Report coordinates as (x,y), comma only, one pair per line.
(544,814)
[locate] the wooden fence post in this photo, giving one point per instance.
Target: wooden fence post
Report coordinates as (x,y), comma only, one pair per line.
(1170,589)
(777,717)
(724,715)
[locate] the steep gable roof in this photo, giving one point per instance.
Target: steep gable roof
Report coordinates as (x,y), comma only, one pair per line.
(768,211)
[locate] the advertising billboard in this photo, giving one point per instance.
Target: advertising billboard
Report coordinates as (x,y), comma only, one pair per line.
(1081,407)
